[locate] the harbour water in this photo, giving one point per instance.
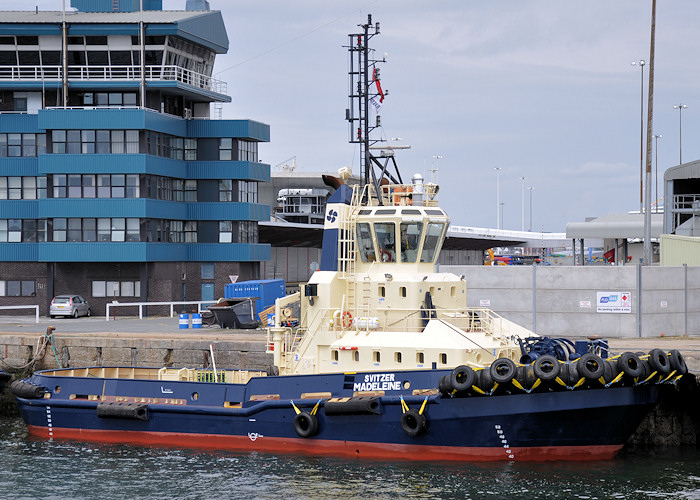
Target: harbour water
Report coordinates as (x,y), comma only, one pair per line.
(38,468)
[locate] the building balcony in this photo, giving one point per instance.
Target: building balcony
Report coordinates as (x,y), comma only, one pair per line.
(116,74)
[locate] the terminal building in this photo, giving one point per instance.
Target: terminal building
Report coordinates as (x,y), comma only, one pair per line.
(117,179)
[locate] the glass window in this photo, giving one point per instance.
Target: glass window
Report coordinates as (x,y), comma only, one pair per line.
(89,230)
(75,186)
(29,188)
(410,239)
(365,243)
(433,238)
(386,241)
(132,230)
(89,187)
(98,288)
(28,231)
(103,186)
(132,186)
(127,288)
(118,229)
(225,231)
(207,270)
(59,229)
(74,230)
(104,229)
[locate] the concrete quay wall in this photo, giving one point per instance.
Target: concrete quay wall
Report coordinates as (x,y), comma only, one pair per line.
(560,301)
(18,351)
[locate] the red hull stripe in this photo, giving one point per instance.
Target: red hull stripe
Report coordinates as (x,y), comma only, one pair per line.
(313,446)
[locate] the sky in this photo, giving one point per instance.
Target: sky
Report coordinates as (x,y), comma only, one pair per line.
(542,89)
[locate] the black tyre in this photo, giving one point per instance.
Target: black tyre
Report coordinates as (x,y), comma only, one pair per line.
(630,365)
(546,368)
(444,385)
(569,374)
(610,371)
(659,361)
(590,366)
(89,312)
(305,424)
(462,378)
(484,380)
(677,362)
(526,376)
(413,423)
(75,313)
(502,370)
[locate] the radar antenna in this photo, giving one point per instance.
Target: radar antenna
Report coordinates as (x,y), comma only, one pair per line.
(366,94)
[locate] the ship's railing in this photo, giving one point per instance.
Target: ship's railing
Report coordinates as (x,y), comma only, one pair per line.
(392,320)
(402,195)
(101,73)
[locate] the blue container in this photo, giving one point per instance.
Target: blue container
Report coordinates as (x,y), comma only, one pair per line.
(184,321)
(196,320)
(265,291)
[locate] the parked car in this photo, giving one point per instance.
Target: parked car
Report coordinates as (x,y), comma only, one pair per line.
(69,305)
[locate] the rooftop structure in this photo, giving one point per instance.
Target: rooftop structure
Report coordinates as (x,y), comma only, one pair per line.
(115,178)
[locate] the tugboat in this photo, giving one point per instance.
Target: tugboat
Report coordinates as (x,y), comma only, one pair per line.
(377,356)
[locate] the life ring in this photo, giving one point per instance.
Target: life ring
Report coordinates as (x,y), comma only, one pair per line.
(546,368)
(385,255)
(502,370)
(659,361)
(305,424)
(346,319)
(413,422)
(590,366)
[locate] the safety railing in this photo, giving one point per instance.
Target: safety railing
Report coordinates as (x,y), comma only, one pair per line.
(141,305)
(36,309)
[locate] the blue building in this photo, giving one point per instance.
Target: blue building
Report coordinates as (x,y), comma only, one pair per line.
(117,180)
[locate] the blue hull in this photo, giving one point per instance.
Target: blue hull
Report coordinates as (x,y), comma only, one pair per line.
(581,424)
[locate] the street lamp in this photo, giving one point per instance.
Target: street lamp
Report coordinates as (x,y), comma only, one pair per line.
(498,196)
(680,107)
(502,205)
(522,204)
(656,175)
(641,64)
(530,189)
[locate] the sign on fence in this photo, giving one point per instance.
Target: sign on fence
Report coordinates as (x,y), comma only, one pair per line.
(614,302)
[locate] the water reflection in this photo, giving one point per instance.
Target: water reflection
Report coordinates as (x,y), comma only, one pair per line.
(37,468)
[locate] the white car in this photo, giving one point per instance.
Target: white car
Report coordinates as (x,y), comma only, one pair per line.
(69,305)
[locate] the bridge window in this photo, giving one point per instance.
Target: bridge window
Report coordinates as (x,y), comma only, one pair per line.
(386,241)
(432,241)
(410,240)
(365,243)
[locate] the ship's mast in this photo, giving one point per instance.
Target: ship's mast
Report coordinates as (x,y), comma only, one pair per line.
(365,95)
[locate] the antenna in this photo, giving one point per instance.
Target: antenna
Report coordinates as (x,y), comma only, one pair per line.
(366,94)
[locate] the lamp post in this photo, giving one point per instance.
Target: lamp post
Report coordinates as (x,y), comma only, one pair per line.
(656,168)
(680,107)
(522,204)
(641,64)
(498,196)
(530,189)
(503,203)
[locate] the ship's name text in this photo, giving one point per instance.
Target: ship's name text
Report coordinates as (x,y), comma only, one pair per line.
(378,382)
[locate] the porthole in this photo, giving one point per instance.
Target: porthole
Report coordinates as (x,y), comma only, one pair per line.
(195,396)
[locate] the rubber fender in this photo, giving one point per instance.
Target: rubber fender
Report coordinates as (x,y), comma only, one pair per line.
(659,361)
(444,385)
(273,371)
(647,370)
(569,374)
(526,376)
(546,368)
(305,424)
(26,390)
(364,405)
(502,370)
(484,380)
(610,370)
(4,376)
(677,362)
(630,364)
(130,411)
(462,378)
(413,423)
(590,366)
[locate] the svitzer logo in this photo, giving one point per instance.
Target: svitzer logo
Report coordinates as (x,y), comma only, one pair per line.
(332,214)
